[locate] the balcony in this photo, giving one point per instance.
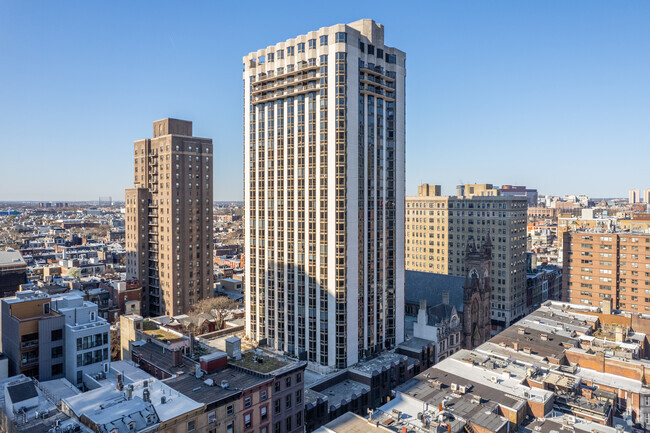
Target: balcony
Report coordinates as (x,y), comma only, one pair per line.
(28,362)
(28,344)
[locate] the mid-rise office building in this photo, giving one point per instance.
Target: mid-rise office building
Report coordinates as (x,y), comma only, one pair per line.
(324,137)
(169,219)
(439,229)
(607,265)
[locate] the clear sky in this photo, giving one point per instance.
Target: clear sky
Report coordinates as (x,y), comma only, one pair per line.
(550,94)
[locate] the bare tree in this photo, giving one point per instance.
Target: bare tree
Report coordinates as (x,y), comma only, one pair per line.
(215,307)
(220,303)
(74,272)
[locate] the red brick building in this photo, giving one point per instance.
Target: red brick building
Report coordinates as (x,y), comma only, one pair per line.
(603,266)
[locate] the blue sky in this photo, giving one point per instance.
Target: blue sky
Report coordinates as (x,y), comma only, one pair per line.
(550,94)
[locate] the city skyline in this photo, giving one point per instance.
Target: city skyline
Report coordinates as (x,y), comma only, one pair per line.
(557,86)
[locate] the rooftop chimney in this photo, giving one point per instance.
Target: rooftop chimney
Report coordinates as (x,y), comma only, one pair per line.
(177,358)
(118,381)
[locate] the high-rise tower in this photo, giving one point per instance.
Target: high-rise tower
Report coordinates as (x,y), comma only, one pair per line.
(169,218)
(324,140)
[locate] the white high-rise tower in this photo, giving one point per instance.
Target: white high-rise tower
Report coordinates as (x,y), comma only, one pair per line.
(324,146)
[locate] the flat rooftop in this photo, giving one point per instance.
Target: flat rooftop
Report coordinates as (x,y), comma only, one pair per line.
(259,362)
(415,344)
(351,423)
(11,258)
(550,346)
(344,391)
(378,364)
(555,424)
(163,358)
(201,391)
(436,383)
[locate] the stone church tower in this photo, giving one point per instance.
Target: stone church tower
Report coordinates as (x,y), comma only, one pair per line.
(476,295)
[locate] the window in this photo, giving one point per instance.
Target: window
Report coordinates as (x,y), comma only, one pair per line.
(190,426)
(57,352)
(57,369)
(290,51)
(263,413)
(289,424)
(212,417)
(298,397)
(247,421)
(323,40)
(247,402)
(299,418)
(287,401)
(57,335)
(263,395)
(288,381)
(277,405)
(132,426)
(298,377)
(341,37)
(230,427)
(312,44)
(46,308)
(230,410)
(301,47)
(277,386)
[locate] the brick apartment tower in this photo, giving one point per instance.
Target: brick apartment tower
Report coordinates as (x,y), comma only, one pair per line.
(169,219)
(324,151)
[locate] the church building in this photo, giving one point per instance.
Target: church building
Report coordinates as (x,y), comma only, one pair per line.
(451,311)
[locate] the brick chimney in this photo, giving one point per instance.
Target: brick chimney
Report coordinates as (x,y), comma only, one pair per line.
(177,358)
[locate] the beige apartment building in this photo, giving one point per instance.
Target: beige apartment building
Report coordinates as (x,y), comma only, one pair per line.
(440,228)
(324,137)
(169,219)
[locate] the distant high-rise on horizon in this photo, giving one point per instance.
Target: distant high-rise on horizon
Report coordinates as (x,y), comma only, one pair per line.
(169,219)
(634,196)
(324,147)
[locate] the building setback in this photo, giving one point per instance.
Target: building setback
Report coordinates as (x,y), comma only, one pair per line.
(439,229)
(169,219)
(324,137)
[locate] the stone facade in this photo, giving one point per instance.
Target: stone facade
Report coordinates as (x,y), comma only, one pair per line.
(476,295)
